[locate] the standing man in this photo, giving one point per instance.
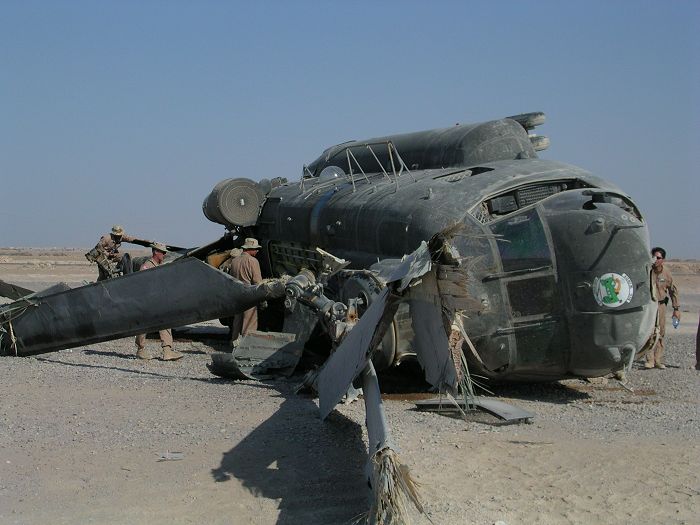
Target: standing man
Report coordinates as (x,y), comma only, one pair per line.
(106,253)
(245,268)
(166,336)
(226,268)
(663,288)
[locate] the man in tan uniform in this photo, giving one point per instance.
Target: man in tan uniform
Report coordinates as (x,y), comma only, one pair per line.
(166,336)
(109,244)
(663,288)
(245,268)
(226,268)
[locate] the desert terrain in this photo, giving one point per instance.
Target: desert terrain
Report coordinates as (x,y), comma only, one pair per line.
(92,435)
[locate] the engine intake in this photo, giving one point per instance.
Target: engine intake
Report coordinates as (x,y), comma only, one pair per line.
(234,202)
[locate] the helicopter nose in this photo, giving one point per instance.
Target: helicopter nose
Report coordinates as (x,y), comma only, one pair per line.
(602,262)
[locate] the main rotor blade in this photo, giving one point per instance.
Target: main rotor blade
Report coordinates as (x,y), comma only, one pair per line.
(12,291)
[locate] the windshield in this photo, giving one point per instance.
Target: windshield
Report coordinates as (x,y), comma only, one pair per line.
(522,242)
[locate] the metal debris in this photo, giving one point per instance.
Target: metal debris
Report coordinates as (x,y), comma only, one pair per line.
(259,355)
(504,411)
(171,456)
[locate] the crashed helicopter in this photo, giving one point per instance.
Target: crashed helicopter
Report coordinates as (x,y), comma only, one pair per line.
(456,246)
(545,263)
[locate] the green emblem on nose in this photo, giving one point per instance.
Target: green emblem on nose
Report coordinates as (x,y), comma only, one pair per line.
(611,296)
(612,290)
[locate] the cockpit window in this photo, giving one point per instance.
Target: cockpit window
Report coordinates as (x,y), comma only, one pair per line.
(522,242)
(605,197)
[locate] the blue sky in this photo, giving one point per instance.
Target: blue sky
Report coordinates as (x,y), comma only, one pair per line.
(130,112)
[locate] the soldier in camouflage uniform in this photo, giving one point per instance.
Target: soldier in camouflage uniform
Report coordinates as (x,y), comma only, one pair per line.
(116,262)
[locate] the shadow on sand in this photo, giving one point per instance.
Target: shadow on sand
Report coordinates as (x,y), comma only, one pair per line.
(142,372)
(555,392)
(315,468)
(407,381)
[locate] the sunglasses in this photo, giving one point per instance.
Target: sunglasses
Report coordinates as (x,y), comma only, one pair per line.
(657,257)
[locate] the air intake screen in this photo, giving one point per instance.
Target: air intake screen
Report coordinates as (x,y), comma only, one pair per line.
(527,196)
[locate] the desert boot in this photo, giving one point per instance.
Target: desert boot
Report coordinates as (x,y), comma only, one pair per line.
(171,355)
(142,353)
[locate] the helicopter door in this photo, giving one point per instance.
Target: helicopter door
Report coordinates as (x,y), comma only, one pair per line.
(536,330)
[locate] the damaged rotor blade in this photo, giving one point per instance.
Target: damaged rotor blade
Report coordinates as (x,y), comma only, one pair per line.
(13,291)
(56,288)
(377,429)
(345,364)
(430,340)
(183,292)
(178,249)
(392,484)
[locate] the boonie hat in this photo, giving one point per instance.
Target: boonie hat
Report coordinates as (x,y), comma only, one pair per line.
(117,230)
(159,246)
(250,244)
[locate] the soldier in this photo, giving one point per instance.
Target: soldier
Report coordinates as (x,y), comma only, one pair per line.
(226,265)
(663,288)
(106,253)
(166,336)
(245,268)
(226,268)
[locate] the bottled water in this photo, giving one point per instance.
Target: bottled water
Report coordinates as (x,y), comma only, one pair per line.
(675,322)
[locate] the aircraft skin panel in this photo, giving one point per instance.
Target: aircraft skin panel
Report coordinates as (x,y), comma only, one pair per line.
(456,146)
(389,220)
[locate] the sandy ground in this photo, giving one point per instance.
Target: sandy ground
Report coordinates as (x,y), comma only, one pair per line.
(83,434)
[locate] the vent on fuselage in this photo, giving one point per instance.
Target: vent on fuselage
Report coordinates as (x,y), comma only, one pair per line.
(514,200)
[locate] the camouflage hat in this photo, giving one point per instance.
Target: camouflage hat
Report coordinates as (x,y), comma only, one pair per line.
(250,244)
(235,252)
(117,230)
(159,246)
